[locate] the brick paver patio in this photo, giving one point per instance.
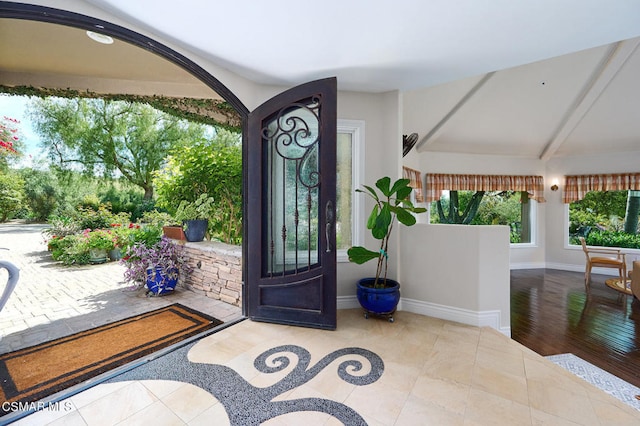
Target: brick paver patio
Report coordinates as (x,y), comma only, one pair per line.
(52,300)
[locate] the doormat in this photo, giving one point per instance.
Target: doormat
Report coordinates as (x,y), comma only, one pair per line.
(613,385)
(30,374)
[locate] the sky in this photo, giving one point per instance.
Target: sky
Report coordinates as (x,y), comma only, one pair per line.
(15,107)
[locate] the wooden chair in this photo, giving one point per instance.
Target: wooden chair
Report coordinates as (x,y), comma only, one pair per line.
(604,258)
(635,279)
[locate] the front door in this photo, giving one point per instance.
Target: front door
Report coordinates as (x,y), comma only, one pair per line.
(291,173)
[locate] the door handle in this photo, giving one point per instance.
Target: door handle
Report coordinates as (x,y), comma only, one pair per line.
(329,223)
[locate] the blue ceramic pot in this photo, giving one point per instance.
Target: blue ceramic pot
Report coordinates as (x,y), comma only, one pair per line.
(159,283)
(379,301)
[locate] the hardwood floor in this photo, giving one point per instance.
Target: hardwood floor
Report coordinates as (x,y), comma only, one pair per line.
(552,314)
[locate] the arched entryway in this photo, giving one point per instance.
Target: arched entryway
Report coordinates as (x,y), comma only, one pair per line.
(311,290)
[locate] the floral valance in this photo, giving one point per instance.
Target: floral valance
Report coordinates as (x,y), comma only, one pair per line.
(436,183)
(575,187)
(416,182)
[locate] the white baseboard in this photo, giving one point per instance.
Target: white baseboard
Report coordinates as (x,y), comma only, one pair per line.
(530,265)
(450,313)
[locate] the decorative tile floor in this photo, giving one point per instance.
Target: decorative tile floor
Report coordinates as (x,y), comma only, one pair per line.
(604,380)
(432,372)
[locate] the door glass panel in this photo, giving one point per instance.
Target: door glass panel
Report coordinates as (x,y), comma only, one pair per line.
(292,177)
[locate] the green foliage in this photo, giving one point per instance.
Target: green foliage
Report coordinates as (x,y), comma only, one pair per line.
(211,167)
(12,195)
(104,137)
(147,235)
(43,193)
(202,208)
(597,211)
(214,112)
(607,203)
(156,218)
(70,250)
(73,248)
(61,226)
(391,202)
(89,217)
(613,239)
(99,239)
(457,212)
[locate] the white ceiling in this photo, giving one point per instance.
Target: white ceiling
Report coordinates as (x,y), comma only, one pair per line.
(379,45)
(536,79)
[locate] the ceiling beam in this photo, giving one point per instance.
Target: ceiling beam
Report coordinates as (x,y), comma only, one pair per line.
(611,63)
(437,129)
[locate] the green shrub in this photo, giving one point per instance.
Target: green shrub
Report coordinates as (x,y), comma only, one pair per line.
(156,218)
(70,250)
(613,239)
(89,217)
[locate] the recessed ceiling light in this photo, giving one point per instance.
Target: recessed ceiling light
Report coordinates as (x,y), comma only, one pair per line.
(100,38)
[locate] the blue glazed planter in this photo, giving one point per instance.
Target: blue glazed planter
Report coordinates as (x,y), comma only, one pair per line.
(157,285)
(378,301)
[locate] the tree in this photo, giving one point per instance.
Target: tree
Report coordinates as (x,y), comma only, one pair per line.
(454,216)
(632,212)
(11,194)
(209,166)
(111,138)
(10,141)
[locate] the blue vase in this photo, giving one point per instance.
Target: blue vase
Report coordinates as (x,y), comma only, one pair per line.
(159,282)
(378,301)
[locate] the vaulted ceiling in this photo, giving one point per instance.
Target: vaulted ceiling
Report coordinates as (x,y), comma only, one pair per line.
(536,79)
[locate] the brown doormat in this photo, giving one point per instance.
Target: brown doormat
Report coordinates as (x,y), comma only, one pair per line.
(30,374)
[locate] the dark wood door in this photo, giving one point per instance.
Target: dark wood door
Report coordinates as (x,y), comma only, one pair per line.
(291,257)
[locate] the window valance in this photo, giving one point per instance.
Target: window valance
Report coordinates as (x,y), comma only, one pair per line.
(416,182)
(436,183)
(575,187)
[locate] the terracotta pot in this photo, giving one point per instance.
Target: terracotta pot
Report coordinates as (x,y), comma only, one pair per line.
(174,232)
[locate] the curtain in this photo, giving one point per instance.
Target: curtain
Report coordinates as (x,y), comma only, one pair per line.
(575,187)
(416,182)
(436,183)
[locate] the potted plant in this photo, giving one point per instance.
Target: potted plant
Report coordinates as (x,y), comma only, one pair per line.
(195,215)
(158,266)
(99,243)
(380,295)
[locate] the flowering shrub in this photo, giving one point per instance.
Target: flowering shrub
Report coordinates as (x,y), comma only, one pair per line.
(70,250)
(168,257)
(99,239)
(8,135)
(73,248)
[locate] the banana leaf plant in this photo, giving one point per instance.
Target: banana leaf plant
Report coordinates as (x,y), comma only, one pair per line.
(391,202)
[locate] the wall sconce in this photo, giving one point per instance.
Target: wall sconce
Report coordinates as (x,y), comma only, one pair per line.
(554,185)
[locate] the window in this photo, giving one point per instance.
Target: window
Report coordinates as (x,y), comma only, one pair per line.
(511,208)
(604,209)
(349,177)
(486,200)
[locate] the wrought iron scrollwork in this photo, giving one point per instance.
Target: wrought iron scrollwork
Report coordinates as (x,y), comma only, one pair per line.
(294,133)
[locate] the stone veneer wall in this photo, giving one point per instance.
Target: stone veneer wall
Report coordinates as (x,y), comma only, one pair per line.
(217,270)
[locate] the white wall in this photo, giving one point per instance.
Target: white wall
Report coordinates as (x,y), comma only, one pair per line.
(457,272)
(524,256)
(382,152)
